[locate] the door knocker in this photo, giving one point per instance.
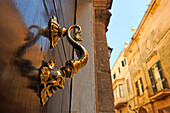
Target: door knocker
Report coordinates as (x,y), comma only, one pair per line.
(52,79)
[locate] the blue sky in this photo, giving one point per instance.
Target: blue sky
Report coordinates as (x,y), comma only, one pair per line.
(125,14)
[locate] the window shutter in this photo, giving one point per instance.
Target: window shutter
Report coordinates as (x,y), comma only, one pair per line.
(137,87)
(121,90)
(114,76)
(160,70)
(128,85)
(141,84)
(162,75)
(119,69)
(152,80)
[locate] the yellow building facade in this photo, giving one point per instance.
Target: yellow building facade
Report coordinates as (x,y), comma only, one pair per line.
(121,82)
(148,57)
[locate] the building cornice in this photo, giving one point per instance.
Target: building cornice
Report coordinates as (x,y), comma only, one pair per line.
(151,9)
(102,4)
(102,16)
(101,9)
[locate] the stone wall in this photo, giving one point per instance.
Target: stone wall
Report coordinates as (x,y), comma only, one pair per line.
(104,93)
(150,44)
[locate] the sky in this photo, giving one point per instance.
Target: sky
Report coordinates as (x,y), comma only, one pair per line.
(125,14)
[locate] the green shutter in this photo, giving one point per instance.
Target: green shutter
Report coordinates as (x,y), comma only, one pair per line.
(137,87)
(154,88)
(160,70)
(141,84)
(164,83)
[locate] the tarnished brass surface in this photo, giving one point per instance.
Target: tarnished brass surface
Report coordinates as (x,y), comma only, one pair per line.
(23,48)
(80,50)
(53,31)
(52,79)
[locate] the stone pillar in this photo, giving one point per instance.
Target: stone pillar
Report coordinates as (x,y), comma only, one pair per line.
(104,92)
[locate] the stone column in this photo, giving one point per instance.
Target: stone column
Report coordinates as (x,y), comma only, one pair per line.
(104,92)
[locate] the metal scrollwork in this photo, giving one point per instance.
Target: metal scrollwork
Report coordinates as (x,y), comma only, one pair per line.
(54,32)
(52,79)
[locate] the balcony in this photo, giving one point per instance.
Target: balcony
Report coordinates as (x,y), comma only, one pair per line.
(160,94)
(120,98)
(118,81)
(120,102)
(160,89)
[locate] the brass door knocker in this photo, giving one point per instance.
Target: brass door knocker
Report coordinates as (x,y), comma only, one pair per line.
(52,79)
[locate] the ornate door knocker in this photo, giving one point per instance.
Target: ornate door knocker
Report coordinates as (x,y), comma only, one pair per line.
(52,79)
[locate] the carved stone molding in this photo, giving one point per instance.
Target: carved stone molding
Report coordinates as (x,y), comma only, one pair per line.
(101,9)
(102,4)
(102,16)
(153,53)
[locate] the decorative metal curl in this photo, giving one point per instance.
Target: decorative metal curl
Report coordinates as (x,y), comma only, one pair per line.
(52,79)
(54,32)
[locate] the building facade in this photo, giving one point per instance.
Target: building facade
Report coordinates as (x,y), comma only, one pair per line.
(24,48)
(148,61)
(122,84)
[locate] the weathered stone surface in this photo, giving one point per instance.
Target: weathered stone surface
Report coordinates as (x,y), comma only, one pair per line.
(149,45)
(104,92)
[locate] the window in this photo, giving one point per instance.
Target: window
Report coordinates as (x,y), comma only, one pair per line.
(128,86)
(114,76)
(121,90)
(118,91)
(157,78)
(119,69)
(139,86)
(115,94)
(124,62)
